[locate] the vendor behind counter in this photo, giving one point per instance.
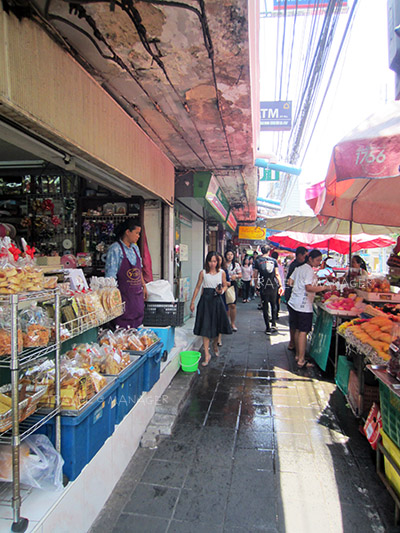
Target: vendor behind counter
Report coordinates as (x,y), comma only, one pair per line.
(124,263)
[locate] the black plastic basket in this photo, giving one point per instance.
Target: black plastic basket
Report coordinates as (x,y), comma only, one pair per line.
(163,313)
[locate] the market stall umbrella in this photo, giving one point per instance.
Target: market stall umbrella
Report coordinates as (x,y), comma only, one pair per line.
(363,180)
(323,225)
(337,243)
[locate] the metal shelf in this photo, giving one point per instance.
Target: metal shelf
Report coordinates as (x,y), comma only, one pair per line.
(29,425)
(89,321)
(45,294)
(28,356)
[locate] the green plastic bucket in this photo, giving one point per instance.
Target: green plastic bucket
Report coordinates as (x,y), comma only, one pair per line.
(190,361)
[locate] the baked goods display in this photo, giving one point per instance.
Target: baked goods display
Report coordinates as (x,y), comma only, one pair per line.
(28,400)
(36,327)
(104,359)
(79,383)
(20,279)
(129,339)
(5,341)
(90,308)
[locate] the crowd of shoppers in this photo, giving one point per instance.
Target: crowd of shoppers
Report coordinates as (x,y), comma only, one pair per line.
(263,274)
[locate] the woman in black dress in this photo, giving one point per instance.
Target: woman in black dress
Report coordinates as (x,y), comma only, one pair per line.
(211,316)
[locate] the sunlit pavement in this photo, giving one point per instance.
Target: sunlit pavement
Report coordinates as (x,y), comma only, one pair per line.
(260,446)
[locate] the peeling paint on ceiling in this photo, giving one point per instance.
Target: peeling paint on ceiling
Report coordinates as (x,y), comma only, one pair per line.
(182,73)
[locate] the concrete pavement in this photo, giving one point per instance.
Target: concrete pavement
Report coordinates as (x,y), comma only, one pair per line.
(259,446)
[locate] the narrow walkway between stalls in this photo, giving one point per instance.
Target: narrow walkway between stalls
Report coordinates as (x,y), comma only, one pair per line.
(260,446)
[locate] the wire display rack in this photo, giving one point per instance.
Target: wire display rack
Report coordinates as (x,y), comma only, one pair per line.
(20,430)
(91,320)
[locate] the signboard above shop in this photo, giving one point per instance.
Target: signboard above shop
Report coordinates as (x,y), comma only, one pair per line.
(252,233)
(276,116)
(231,221)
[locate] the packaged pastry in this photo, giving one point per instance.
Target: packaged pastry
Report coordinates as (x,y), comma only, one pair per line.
(133,340)
(50,282)
(5,332)
(148,337)
(36,327)
(5,341)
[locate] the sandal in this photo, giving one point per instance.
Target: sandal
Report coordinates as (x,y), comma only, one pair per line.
(234,328)
(216,351)
(205,363)
(306,364)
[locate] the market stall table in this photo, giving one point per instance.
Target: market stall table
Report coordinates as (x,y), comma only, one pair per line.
(388,385)
(327,320)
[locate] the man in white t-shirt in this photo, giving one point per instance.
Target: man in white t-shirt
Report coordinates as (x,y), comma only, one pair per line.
(300,305)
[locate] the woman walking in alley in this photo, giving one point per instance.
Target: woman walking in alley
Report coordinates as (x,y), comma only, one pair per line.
(304,284)
(247,275)
(211,316)
(235,273)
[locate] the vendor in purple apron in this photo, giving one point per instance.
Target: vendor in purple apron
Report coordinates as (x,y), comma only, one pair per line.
(124,263)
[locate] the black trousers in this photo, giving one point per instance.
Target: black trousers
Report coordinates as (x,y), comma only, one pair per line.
(246,289)
(269,298)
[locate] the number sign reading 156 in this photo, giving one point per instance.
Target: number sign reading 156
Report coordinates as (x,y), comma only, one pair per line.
(370,155)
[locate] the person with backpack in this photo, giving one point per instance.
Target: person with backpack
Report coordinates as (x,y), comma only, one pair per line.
(270,284)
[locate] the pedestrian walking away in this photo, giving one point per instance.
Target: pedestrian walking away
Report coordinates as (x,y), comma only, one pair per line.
(305,286)
(266,268)
(221,264)
(275,255)
(211,317)
(235,273)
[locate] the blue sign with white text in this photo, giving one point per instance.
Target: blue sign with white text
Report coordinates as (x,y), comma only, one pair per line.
(276,116)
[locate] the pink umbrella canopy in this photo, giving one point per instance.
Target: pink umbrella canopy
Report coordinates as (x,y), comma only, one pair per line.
(363,179)
(337,243)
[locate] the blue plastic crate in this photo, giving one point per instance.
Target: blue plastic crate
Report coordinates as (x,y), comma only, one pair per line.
(152,366)
(167,338)
(130,387)
(83,435)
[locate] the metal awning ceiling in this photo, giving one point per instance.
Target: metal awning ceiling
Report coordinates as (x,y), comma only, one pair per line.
(182,70)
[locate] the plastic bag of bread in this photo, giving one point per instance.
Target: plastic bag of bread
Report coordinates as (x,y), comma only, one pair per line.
(115,360)
(107,337)
(5,332)
(50,282)
(36,327)
(134,342)
(99,381)
(121,336)
(148,337)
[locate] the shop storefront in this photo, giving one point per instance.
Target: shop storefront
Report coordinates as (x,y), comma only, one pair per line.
(67,179)
(203,222)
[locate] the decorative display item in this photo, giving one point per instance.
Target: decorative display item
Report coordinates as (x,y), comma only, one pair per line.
(30,250)
(68,261)
(15,252)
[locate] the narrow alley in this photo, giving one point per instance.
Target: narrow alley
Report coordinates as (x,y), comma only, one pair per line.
(259,446)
